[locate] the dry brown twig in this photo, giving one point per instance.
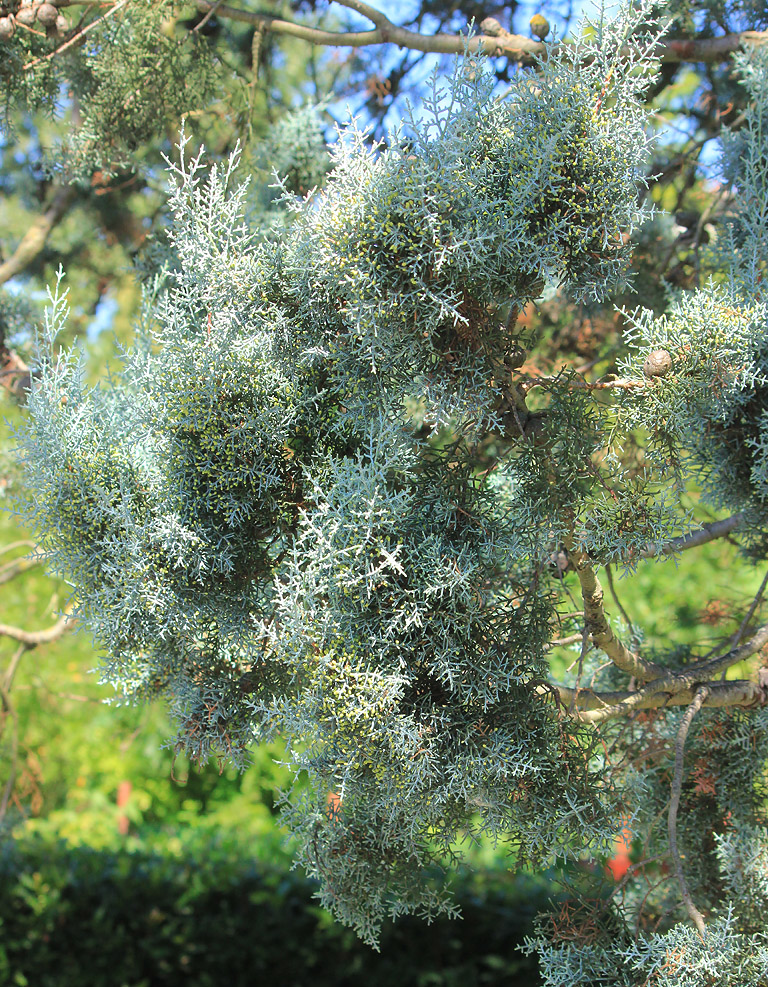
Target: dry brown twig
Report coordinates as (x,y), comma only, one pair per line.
(516,47)
(674,804)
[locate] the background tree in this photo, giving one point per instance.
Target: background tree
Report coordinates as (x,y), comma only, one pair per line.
(336,493)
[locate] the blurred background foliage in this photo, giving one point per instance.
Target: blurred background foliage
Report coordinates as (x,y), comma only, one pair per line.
(109,840)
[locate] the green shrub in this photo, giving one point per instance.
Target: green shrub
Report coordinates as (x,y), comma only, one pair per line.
(76,916)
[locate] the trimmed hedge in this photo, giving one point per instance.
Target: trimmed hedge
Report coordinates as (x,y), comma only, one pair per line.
(77,917)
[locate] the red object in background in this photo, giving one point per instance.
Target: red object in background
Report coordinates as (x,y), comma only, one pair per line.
(619,863)
(123,794)
(334,804)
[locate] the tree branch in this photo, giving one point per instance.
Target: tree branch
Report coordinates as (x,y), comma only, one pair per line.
(7,711)
(601,631)
(33,241)
(594,707)
(516,47)
(14,373)
(704,534)
(10,672)
(674,803)
(13,569)
(677,688)
(714,666)
(33,638)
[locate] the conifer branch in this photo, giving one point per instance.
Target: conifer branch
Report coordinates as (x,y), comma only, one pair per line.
(595,706)
(677,784)
(599,628)
(676,688)
(517,48)
(714,666)
(77,36)
(263,491)
(706,533)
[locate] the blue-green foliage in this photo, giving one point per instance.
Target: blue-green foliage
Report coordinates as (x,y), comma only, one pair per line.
(708,415)
(279,515)
(130,77)
(256,529)
(680,956)
(615,938)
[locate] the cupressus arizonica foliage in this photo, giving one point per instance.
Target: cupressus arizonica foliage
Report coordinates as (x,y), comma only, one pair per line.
(321,499)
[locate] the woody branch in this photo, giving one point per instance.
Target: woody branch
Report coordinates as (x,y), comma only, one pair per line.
(675,688)
(516,47)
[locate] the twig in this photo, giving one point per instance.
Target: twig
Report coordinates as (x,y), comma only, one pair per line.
(674,803)
(582,654)
(10,672)
(207,17)
(601,631)
(13,569)
(33,638)
(76,37)
(33,241)
(750,613)
(14,545)
(258,37)
(8,710)
(376,16)
(617,384)
(706,533)
(561,642)
(640,865)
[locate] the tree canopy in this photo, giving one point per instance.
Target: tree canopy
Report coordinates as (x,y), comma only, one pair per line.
(386,429)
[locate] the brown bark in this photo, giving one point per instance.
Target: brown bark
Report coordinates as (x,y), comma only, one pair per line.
(33,241)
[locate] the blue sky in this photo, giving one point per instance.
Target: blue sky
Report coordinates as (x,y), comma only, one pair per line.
(400,11)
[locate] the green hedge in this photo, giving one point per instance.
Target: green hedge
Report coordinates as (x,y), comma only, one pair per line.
(77,917)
